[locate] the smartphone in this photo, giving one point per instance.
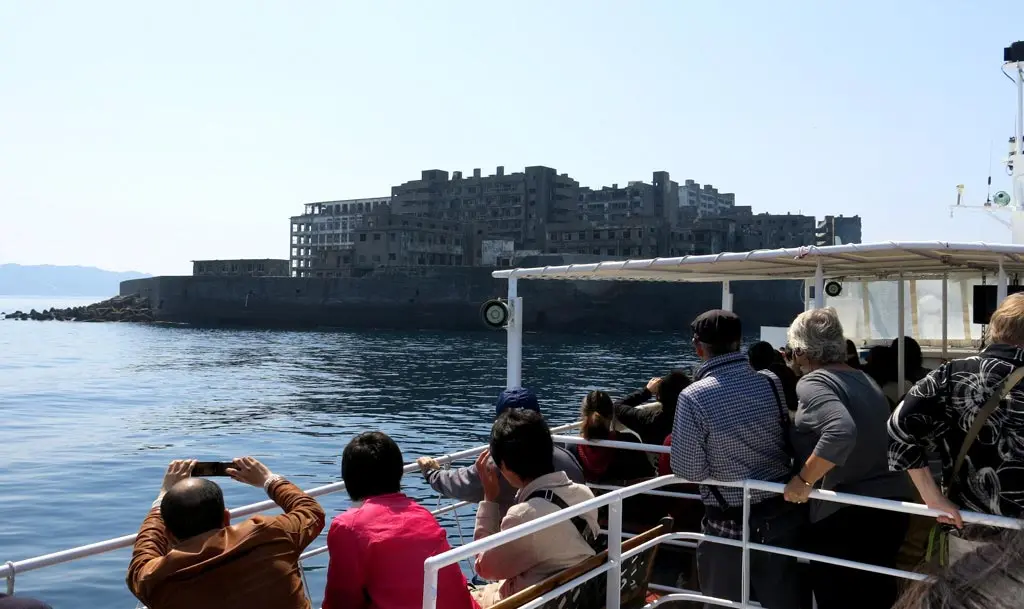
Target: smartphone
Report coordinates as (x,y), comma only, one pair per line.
(211,468)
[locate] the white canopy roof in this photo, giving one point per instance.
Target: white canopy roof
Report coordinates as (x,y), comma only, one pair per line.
(867,261)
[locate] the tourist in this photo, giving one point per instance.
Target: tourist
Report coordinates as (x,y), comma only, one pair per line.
(980,470)
(188,555)
(521,449)
(913,371)
(840,438)
(990,578)
(378,546)
(606,465)
(880,365)
(21,602)
(653,421)
(731,425)
(463,483)
(763,356)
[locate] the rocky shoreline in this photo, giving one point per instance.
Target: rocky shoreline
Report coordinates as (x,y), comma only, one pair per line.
(119,308)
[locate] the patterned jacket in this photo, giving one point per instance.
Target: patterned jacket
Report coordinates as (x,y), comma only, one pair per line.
(937,414)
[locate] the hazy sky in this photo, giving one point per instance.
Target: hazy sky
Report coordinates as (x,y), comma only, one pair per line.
(140,135)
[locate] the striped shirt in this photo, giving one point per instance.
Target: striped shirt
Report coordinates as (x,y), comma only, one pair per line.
(728,428)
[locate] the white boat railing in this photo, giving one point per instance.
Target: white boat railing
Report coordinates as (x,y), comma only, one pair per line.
(613,499)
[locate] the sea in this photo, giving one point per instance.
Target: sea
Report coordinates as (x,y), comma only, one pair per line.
(91,414)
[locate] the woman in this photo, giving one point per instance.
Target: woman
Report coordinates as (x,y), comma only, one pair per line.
(602,464)
(840,437)
(652,422)
(377,547)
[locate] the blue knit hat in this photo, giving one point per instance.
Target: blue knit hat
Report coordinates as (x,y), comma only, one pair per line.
(520,397)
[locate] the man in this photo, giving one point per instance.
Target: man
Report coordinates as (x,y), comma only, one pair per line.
(939,412)
(520,449)
(188,555)
(463,483)
(20,602)
(731,425)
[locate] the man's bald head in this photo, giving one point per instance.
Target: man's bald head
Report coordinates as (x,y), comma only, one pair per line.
(193,507)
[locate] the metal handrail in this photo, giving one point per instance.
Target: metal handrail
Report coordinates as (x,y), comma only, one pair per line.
(614,500)
(9,569)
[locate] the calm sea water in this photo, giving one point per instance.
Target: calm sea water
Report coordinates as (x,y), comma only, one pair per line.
(90,415)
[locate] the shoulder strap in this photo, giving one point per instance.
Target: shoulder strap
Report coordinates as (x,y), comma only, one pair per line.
(1003,390)
(578,521)
(783,418)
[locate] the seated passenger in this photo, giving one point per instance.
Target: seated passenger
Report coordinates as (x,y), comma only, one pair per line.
(188,555)
(378,546)
(463,483)
(653,421)
(852,355)
(521,449)
(608,465)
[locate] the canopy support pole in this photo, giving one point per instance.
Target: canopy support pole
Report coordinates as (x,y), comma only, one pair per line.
(945,316)
(726,297)
(1001,288)
(901,371)
(819,286)
(514,351)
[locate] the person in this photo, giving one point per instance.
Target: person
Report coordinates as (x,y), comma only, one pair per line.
(763,356)
(378,546)
(463,483)
(852,355)
(602,464)
(188,555)
(913,371)
(939,411)
(21,602)
(990,578)
(841,442)
(653,422)
(521,450)
(880,365)
(731,425)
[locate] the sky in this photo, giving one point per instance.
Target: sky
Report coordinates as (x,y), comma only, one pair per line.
(141,136)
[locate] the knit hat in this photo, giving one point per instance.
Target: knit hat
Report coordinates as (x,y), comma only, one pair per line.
(520,397)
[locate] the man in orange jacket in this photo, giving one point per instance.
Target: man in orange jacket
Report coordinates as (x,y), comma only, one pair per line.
(188,555)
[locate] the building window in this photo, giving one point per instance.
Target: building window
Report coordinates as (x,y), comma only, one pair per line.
(376,258)
(597,251)
(376,236)
(392,257)
(611,251)
(392,236)
(362,237)
(583,235)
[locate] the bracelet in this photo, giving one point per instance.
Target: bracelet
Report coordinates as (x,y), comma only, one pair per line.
(801,479)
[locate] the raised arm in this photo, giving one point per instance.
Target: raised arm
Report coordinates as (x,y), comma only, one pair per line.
(303,518)
(153,541)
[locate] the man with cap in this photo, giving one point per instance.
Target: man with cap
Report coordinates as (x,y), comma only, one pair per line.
(731,425)
(463,484)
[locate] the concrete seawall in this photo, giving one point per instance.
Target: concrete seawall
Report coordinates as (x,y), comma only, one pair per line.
(449,299)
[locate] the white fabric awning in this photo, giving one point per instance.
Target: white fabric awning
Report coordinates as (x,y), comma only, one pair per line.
(867,261)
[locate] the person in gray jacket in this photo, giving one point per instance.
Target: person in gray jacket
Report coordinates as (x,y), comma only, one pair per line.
(463,483)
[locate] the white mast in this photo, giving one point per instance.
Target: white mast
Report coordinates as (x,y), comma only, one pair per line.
(1003,202)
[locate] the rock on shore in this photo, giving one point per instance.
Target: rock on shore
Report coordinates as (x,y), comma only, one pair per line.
(119,308)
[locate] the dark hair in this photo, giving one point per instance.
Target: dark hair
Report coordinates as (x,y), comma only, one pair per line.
(761,355)
(852,354)
(912,357)
(990,577)
(598,415)
(521,441)
(672,384)
(371,465)
(193,507)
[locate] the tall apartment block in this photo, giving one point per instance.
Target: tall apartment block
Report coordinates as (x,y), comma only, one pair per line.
(838,230)
(324,227)
(706,199)
(515,207)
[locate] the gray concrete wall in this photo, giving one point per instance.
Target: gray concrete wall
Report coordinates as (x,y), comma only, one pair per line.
(450,299)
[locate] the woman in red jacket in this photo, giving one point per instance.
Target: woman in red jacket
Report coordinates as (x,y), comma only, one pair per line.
(378,546)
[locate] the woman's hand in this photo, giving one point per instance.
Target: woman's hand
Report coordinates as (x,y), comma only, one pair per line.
(652,385)
(488,472)
(941,504)
(796,491)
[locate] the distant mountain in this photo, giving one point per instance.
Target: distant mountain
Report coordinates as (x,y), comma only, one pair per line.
(48,280)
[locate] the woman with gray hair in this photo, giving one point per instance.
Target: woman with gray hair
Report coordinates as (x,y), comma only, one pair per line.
(840,440)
